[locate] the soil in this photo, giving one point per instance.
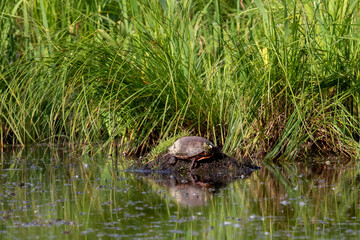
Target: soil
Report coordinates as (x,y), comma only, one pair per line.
(215,171)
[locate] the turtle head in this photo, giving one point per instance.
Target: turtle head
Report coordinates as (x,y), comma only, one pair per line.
(171,148)
(207,146)
(210,148)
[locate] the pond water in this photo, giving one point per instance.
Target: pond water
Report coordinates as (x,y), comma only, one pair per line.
(48,193)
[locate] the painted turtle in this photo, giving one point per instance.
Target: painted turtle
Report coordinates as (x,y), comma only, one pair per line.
(191,148)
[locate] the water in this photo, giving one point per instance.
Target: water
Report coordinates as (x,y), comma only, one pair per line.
(56,194)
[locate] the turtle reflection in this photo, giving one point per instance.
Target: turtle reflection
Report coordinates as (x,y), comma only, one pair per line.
(190,194)
(190,189)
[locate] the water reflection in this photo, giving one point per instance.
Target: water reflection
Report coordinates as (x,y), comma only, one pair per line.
(189,194)
(56,193)
(189,189)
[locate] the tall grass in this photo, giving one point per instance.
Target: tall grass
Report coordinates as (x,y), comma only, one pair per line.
(271,79)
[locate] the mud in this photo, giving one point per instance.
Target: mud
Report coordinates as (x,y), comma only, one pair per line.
(215,171)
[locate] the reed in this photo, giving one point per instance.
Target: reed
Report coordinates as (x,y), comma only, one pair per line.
(274,79)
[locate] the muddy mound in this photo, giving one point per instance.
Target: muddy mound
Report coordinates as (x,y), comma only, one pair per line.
(219,168)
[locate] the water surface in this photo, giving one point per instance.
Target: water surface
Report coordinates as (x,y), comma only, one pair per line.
(56,193)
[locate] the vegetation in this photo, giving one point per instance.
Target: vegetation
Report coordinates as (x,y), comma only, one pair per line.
(270,78)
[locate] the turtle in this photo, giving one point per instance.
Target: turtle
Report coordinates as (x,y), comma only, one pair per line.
(191,148)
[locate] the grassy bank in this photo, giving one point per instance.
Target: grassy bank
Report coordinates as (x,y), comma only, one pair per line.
(271,79)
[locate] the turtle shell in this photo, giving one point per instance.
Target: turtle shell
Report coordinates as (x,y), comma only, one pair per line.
(192,147)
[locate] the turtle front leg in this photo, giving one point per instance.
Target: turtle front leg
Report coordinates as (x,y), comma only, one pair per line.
(172,160)
(192,164)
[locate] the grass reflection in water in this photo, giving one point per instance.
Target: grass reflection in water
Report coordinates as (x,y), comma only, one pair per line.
(47,193)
